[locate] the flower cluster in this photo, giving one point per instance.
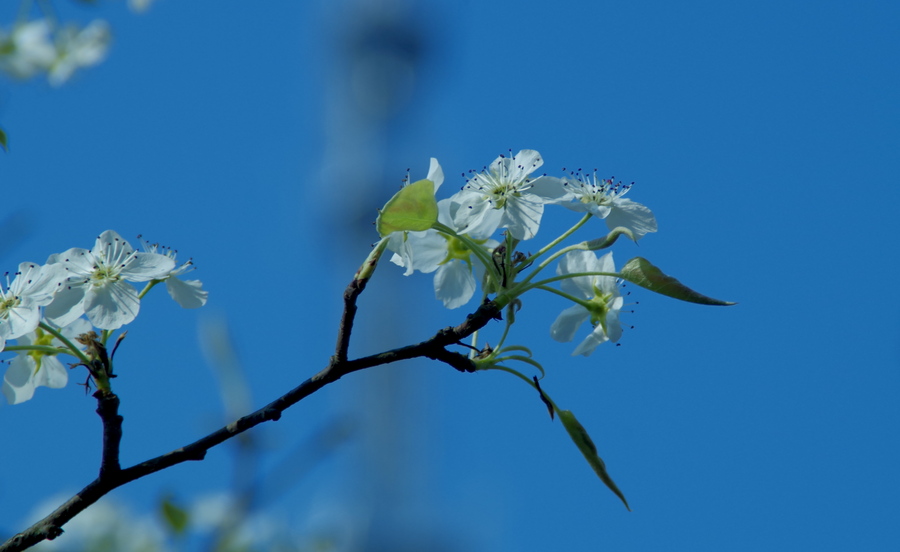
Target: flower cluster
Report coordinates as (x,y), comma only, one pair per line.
(46,308)
(477,230)
(37,46)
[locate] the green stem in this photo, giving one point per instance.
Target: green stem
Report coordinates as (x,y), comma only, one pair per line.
(526,360)
(148,287)
(524,287)
(48,349)
(583,302)
(525,378)
(74,351)
(506,327)
(558,240)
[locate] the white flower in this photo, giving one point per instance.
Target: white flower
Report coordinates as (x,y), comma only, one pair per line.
(603,199)
(457,267)
(33,369)
(21,302)
(27,50)
(187,293)
(97,282)
(602,295)
(504,195)
(77,48)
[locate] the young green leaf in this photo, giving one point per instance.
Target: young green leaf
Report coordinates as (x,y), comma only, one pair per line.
(641,272)
(581,438)
(413,209)
(175,516)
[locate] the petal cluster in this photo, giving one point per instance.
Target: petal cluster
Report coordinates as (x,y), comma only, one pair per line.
(600,301)
(603,199)
(46,310)
(97,282)
(505,195)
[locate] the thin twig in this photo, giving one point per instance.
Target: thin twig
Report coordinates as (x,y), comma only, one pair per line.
(435,348)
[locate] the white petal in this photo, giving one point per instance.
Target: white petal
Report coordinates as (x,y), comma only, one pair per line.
(51,374)
(110,242)
(189,294)
(67,305)
(73,330)
(475,215)
(575,262)
(567,323)
(403,254)
(522,216)
(550,189)
(20,320)
(38,282)
(112,305)
(590,343)
(599,211)
(524,163)
(429,250)
(436,174)
(607,284)
(76,261)
(147,266)
(18,384)
(613,327)
(454,284)
(634,216)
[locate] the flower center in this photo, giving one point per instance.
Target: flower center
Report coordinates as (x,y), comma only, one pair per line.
(109,263)
(600,307)
(8,300)
(7,304)
(596,191)
(501,183)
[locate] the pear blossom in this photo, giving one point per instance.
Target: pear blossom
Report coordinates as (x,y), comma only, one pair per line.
(603,199)
(187,293)
(457,268)
(97,282)
(32,369)
(505,196)
(27,49)
(21,301)
(602,295)
(77,48)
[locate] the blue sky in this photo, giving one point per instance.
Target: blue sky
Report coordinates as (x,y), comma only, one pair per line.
(763,135)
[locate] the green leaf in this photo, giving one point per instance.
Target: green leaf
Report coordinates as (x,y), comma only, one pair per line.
(641,272)
(175,516)
(413,209)
(581,438)
(4,141)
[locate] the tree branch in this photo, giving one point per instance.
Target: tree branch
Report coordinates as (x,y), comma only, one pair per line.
(108,409)
(111,477)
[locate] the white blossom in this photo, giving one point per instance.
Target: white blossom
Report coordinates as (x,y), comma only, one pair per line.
(505,196)
(603,199)
(77,48)
(27,49)
(187,293)
(456,267)
(32,369)
(21,301)
(603,300)
(97,282)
